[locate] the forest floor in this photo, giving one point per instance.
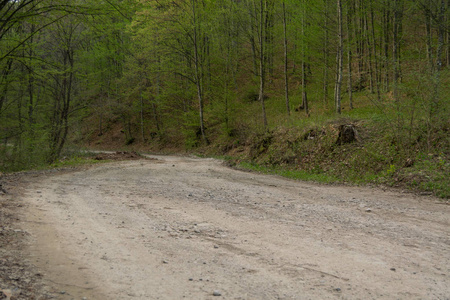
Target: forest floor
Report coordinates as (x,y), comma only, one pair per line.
(172,227)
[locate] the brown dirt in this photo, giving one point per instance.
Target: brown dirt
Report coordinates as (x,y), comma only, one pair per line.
(118,155)
(177,227)
(19,278)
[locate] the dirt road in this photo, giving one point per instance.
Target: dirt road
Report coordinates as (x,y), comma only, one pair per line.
(174,228)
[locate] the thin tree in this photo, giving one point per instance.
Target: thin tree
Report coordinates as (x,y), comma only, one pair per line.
(286,76)
(262,58)
(305,103)
(339,60)
(349,54)
(198,73)
(325,53)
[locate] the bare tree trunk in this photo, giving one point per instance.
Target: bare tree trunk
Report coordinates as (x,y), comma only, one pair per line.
(429,36)
(398,15)
(262,67)
(386,33)
(142,117)
(369,52)
(255,60)
(325,56)
(359,33)
(63,99)
(286,77)
(374,47)
(447,34)
(269,23)
(198,75)
(158,122)
(5,82)
(30,86)
(337,93)
(349,56)
(304,90)
(304,67)
(441,33)
(100,124)
(253,42)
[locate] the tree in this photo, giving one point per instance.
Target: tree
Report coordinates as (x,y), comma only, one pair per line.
(263,16)
(41,44)
(339,59)
(285,44)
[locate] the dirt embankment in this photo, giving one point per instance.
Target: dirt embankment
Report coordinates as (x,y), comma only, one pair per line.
(173,228)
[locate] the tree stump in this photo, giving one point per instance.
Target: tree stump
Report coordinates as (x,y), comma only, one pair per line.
(347,134)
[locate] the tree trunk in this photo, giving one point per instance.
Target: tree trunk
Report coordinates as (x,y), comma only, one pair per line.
(369,53)
(286,77)
(386,33)
(428,19)
(304,67)
(262,66)
(198,76)
(269,23)
(398,15)
(141,113)
(63,99)
(447,33)
(375,55)
(349,57)
(5,82)
(325,56)
(441,33)
(338,86)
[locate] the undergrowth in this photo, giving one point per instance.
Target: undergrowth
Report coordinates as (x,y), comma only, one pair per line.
(378,155)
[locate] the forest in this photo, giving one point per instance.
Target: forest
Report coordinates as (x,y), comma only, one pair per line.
(345,90)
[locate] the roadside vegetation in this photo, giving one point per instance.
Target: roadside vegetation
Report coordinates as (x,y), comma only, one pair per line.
(374,152)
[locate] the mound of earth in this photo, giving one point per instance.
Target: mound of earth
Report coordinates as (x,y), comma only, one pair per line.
(119,155)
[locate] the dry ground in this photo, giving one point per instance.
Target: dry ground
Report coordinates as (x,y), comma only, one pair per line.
(177,227)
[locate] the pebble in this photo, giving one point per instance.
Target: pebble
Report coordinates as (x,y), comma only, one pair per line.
(368,210)
(217,293)
(216,247)
(392,269)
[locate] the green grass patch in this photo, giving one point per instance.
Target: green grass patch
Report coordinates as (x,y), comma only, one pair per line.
(430,174)
(74,162)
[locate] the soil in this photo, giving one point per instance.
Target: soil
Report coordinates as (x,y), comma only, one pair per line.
(177,227)
(118,155)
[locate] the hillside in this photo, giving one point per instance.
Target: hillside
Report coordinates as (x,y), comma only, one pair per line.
(359,147)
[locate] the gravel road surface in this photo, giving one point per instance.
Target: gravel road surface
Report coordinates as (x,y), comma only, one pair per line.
(191,228)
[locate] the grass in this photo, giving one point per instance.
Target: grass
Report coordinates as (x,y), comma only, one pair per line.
(70,158)
(431,174)
(74,161)
(388,152)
